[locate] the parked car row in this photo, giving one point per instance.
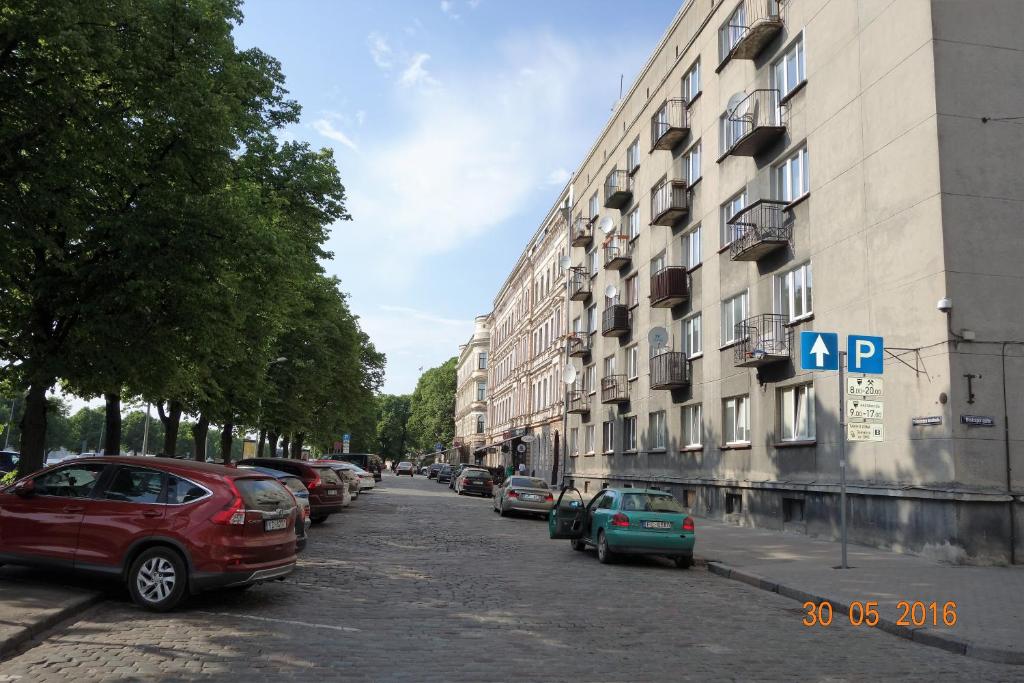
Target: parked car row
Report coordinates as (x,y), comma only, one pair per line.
(169,527)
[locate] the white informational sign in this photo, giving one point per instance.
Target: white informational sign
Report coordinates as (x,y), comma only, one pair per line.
(864,387)
(860,409)
(344,446)
(864,431)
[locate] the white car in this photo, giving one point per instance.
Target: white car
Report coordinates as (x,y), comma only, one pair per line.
(366,480)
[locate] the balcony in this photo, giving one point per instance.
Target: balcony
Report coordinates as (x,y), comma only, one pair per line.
(579,344)
(758,22)
(617,252)
(670,202)
(763,339)
(670,370)
(579,284)
(582,231)
(579,402)
(755,123)
(615,389)
(618,189)
(615,321)
(759,229)
(670,287)
(670,125)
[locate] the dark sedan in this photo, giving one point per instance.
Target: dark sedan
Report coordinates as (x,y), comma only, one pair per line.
(475,481)
(444,474)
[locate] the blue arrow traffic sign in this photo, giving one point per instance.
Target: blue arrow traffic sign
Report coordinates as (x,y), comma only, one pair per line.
(819,351)
(346,437)
(864,354)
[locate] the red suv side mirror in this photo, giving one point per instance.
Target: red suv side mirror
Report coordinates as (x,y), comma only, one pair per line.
(25,488)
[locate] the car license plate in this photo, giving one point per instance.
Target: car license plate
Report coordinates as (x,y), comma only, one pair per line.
(332,492)
(657,525)
(275,524)
(529,496)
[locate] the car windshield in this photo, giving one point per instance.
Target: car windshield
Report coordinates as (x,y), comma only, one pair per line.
(650,502)
(328,476)
(295,484)
(405,464)
(477,474)
(528,482)
(263,494)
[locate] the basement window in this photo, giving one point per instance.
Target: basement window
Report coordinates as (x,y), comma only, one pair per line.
(733,503)
(792,510)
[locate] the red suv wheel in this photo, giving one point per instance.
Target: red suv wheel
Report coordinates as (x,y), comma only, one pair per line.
(157,579)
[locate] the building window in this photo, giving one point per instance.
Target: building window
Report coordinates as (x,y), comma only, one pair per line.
(609,366)
(588,439)
(691,164)
(632,291)
(481,391)
(658,263)
(796,413)
(608,436)
(590,380)
(791,179)
(732,31)
(479,424)
(656,431)
(632,355)
(633,224)
(633,157)
(692,343)
(788,70)
(577,325)
(793,293)
(693,428)
(574,441)
(691,82)
(629,433)
(593,262)
(592,318)
(691,248)
(736,420)
(733,503)
(728,210)
(734,311)
(481,361)
(593,206)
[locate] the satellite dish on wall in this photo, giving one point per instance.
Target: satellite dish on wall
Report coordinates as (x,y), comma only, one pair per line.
(738,104)
(657,337)
(611,291)
(569,373)
(607,225)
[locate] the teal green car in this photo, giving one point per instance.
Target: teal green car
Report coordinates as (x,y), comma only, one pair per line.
(625,521)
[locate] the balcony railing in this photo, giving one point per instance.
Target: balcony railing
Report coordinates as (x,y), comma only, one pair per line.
(763,339)
(618,189)
(759,229)
(579,344)
(615,389)
(670,125)
(617,252)
(758,23)
(579,284)
(670,202)
(755,123)
(579,401)
(615,321)
(670,287)
(670,370)
(582,231)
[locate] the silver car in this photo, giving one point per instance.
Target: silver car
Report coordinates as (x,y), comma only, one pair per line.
(523,494)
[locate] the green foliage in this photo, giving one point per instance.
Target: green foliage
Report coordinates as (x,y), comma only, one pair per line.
(9,478)
(432,408)
(392,425)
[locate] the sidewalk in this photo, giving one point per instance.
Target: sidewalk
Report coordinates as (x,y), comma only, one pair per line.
(989,600)
(29,606)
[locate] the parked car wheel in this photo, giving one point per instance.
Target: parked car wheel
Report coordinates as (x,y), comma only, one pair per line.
(158,579)
(503,512)
(604,553)
(578,544)
(684,562)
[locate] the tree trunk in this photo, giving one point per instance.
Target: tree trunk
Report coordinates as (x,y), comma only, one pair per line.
(199,431)
(272,444)
(33,431)
(225,441)
(284,446)
(171,421)
(112,431)
(262,441)
(297,446)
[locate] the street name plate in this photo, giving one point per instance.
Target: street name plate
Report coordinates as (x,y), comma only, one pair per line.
(859,409)
(864,431)
(927,421)
(865,387)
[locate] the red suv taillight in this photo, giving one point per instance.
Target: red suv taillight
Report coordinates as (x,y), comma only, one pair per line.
(620,519)
(234,512)
(548,498)
(315,482)
(688,524)
(512,494)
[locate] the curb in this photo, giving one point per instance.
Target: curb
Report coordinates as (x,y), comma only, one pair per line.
(923,636)
(11,643)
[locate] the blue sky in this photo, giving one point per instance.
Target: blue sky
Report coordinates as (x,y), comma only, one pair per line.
(454,124)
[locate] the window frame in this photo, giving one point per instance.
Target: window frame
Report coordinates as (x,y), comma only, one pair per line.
(689,239)
(588,439)
(783,172)
(632,291)
(633,361)
(692,74)
(728,209)
(633,156)
(741,410)
(657,431)
(629,441)
(694,150)
(785,292)
(691,322)
(689,412)
(730,33)
(608,436)
(727,338)
(804,408)
(633,224)
(797,51)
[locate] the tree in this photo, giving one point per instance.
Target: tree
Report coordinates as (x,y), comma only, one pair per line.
(432,408)
(86,429)
(392,425)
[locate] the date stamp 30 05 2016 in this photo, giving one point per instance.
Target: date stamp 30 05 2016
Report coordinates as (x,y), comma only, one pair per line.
(865,613)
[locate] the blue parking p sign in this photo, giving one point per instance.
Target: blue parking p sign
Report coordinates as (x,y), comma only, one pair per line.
(864,354)
(819,351)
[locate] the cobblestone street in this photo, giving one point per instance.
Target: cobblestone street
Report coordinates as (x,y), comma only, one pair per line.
(415,583)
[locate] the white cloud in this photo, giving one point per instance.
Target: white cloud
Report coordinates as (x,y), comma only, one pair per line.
(415,73)
(327,129)
(379,50)
(448,7)
(558,177)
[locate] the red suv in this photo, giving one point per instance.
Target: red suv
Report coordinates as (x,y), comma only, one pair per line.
(324,484)
(164,526)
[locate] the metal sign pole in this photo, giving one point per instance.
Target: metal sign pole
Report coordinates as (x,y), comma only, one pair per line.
(842,453)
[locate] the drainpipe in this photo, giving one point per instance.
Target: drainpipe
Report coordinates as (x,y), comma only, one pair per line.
(1009,464)
(565,326)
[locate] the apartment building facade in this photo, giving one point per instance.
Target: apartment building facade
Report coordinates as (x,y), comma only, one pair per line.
(780,167)
(470,441)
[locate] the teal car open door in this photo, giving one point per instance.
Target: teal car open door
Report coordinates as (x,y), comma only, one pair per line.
(567,516)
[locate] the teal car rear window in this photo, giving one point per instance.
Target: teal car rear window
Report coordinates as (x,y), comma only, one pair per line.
(647,502)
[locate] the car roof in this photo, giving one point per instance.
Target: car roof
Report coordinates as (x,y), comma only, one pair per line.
(269,471)
(175,465)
